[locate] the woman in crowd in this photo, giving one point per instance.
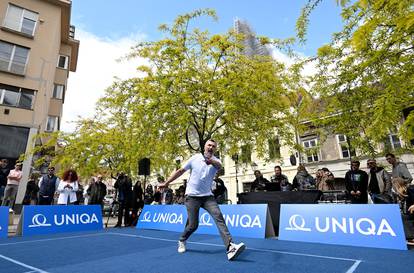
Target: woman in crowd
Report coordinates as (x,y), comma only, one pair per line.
(405,197)
(32,189)
(303,180)
(325,180)
(68,188)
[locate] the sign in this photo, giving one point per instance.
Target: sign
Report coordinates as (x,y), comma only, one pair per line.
(56,219)
(4,220)
(378,226)
(251,221)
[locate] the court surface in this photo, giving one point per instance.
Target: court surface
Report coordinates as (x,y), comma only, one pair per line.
(132,250)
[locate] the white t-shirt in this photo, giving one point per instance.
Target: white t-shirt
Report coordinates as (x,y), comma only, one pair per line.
(201,177)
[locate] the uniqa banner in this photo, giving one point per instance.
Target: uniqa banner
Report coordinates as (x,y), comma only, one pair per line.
(4,220)
(55,219)
(378,225)
(250,221)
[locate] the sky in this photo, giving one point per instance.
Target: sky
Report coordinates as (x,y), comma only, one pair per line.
(108,29)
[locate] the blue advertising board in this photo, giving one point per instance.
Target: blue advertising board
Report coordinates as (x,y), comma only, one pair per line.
(242,220)
(4,220)
(57,219)
(378,226)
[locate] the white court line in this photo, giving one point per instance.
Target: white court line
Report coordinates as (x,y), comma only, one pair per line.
(350,270)
(34,269)
(52,239)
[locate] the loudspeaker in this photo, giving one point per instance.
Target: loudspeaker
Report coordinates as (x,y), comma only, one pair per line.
(292,160)
(144,166)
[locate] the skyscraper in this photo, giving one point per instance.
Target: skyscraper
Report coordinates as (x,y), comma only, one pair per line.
(252,45)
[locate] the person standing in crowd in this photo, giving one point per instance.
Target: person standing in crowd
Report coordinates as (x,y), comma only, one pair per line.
(86,191)
(123,187)
(166,193)
(219,189)
(198,195)
(180,195)
(281,180)
(356,182)
(138,202)
(379,183)
(67,188)
(303,180)
(399,169)
(149,194)
(97,192)
(32,189)
(48,185)
(4,172)
(325,180)
(13,181)
(405,198)
(259,184)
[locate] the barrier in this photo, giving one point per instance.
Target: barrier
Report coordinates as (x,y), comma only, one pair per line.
(377,226)
(56,219)
(251,221)
(4,220)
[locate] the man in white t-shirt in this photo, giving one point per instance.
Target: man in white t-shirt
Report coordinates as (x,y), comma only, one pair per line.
(198,194)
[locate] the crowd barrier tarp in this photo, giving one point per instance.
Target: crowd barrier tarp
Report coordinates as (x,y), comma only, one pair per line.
(377,226)
(252,221)
(274,198)
(36,220)
(4,221)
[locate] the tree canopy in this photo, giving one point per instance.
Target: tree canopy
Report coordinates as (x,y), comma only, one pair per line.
(365,75)
(194,85)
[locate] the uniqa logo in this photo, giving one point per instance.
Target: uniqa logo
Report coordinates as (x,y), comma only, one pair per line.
(75,219)
(165,217)
(234,220)
(39,220)
(364,226)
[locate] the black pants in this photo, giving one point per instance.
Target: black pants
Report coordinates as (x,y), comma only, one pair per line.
(45,200)
(408,223)
(123,210)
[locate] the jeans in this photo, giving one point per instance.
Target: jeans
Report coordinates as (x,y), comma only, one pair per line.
(10,195)
(193,204)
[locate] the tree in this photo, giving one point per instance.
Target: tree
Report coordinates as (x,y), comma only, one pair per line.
(195,85)
(365,75)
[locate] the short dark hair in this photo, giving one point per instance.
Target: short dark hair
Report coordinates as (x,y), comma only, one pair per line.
(390,154)
(278,167)
(355,162)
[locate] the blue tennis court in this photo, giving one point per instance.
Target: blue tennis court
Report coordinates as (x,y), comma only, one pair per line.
(131,250)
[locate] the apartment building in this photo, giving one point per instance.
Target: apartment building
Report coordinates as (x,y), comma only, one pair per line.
(38,49)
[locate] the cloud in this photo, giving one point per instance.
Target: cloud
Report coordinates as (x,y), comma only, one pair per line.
(96,69)
(309,68)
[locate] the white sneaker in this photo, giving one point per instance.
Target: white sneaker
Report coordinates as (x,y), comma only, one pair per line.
(181,247)
(235,250)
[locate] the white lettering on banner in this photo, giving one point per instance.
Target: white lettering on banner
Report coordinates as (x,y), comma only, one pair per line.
(75,219)
(244,220)
(171,218)
(364,226)
(147,217)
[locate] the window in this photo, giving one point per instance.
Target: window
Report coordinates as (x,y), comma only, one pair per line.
(21,20)
(63,62)
(393,141)
(13,58)
(58,91)
(15,96)
(274,148)
(310,150)
(52,124)
(344,147)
